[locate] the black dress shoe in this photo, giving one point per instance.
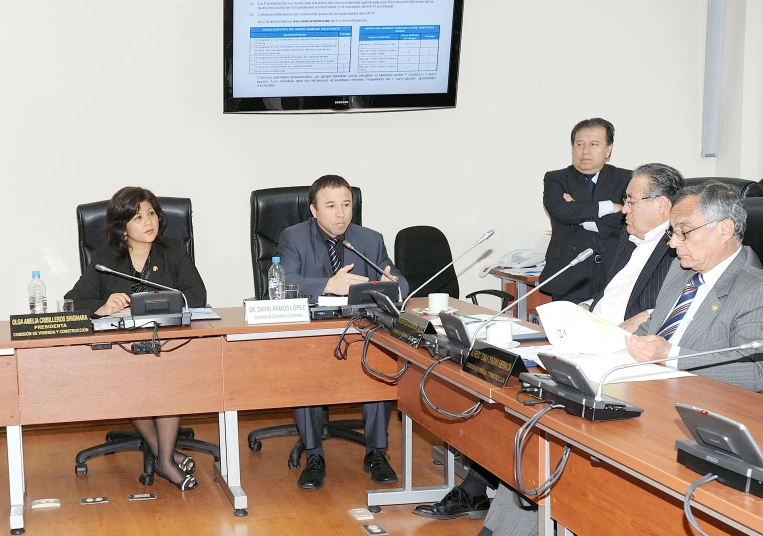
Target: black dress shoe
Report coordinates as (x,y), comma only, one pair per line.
(314,473)
(376,463)
(455,504)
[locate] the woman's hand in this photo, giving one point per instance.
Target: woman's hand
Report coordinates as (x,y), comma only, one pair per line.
(116,303)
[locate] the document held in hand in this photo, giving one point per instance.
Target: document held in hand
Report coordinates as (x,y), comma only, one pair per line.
(572,329)
(593,343)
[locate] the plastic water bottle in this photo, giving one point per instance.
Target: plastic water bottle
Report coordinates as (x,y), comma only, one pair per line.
(38,303)
(276,278)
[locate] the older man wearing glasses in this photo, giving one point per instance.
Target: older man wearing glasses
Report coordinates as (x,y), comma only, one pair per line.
(642,258)
(712,297)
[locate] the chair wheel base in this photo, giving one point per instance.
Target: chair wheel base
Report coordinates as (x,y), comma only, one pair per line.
(374,509)
(80,469)
(255,445)
(240,512)
(147,479)
(17,531)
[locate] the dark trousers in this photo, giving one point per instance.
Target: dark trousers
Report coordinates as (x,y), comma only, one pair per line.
(375,414)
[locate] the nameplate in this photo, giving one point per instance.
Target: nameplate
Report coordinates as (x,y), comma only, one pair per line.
(411,328)
(493,365)
(70,324)
(276,311)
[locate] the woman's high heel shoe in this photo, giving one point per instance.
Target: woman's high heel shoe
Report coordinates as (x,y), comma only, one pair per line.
(188,483)
(187,465)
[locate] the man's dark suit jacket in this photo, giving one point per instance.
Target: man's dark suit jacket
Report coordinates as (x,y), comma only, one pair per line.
(569,238)
(648,284)
(170,266)
(305,258)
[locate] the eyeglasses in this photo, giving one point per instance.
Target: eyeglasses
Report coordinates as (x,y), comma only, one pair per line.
(631,202)
(681,235)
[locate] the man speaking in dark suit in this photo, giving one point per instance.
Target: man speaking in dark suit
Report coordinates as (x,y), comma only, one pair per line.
(584,202)
(313,257)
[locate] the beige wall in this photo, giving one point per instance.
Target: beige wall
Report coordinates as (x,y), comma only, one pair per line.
(98,95)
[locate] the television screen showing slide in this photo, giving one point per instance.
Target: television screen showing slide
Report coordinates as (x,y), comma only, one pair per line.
(340,54)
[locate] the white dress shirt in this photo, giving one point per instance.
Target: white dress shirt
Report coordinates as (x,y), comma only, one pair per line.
(605,207)
(710,277)
(614,301)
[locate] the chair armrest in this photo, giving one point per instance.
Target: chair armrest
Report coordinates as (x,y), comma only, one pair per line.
(505,296)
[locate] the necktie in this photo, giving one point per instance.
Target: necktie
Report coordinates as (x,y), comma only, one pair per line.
(332,242)
(679,311)
(591,184)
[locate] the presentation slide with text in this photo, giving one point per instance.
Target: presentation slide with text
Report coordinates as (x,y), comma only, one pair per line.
(291,48)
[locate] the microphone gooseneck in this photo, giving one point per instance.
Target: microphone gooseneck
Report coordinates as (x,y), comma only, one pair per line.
(366,259)
(746,346)
(484,237)
(577,260)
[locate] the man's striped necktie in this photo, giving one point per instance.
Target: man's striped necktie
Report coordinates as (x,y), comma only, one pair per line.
(332,242)
(679,311)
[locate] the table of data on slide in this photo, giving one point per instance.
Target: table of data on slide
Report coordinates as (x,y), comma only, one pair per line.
(309,49)
(387,49)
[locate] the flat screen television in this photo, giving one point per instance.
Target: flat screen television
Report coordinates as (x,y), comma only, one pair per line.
(340,55)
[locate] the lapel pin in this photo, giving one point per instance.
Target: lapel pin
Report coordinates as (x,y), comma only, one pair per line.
(714,307)
(156,268)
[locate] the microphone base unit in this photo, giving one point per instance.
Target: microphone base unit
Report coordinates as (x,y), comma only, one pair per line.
(144,321)
(578,404)
(350,311)
(384,319)
(437,344)
(732,471)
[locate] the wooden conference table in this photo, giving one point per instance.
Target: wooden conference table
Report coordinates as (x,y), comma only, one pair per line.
(226,366)
(622,477)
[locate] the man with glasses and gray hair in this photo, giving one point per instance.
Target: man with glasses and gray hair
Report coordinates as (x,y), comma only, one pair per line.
(642,258)
(712,297)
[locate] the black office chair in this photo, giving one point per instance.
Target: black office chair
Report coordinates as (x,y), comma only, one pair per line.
(753,235)
(420,252)
(272,211)
(91,227)
(746,188)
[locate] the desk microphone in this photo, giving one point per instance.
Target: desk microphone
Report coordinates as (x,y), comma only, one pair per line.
(477,243)
(746,346)
(367,260)
(580,258)
(107,270)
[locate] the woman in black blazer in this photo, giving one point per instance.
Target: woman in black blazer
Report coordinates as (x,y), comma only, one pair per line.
(134,223)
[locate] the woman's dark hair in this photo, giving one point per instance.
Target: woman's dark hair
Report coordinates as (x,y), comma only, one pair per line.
(122,208)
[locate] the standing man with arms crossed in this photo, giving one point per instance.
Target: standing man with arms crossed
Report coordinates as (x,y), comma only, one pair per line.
(313,257)
(584,204)
(712,297)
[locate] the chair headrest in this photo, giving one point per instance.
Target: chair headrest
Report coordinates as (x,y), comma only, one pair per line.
(91,225)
